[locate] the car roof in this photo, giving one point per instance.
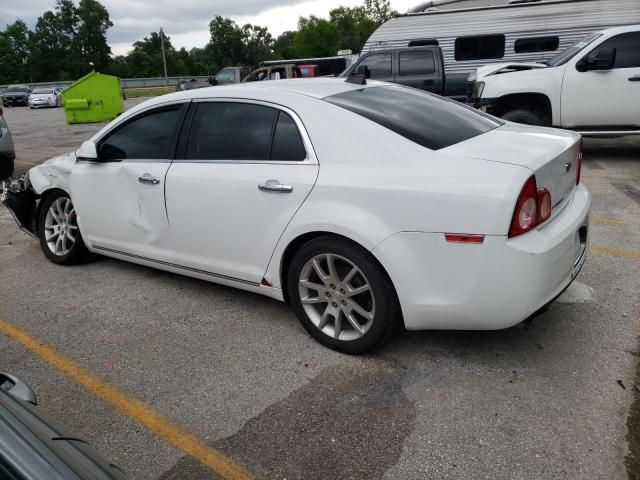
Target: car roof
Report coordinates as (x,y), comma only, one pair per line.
(623,29)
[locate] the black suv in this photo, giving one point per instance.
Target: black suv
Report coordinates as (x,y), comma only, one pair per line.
(16,95)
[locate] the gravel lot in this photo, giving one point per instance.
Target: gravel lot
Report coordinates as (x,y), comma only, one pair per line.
(238,371)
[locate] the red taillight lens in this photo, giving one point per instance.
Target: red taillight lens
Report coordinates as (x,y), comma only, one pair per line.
(544,205)
(579,162)
(525,216)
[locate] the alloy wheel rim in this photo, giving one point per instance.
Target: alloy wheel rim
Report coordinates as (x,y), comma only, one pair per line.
(61,226)
(337,297)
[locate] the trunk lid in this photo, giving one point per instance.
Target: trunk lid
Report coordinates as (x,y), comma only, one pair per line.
(550,154)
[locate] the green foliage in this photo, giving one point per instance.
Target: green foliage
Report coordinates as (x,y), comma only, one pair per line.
(14,51)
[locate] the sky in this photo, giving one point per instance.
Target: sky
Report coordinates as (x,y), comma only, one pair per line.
(186,22)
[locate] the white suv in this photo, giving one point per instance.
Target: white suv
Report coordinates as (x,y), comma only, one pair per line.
(593,86)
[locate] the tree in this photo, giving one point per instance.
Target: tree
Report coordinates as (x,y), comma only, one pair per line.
(379,10)
(258,44)
(227,42)
(90,41)
(316,37)
(283,45)
(14,51)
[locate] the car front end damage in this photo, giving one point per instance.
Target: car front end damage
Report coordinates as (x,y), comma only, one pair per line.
(21,200)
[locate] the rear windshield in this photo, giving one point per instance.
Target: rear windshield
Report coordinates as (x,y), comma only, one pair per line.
(421,117)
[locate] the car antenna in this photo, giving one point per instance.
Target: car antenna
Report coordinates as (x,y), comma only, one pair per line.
(360,76)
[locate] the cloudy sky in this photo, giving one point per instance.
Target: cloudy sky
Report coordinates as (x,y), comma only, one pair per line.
(186,21)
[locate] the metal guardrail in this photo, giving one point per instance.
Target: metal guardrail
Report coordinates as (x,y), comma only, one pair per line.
(124,82)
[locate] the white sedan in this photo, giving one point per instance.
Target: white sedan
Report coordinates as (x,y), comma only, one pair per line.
(45,97)
(366,207)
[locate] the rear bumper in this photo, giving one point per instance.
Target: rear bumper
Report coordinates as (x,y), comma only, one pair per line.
(490,286)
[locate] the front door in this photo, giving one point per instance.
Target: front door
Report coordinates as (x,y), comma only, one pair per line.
(605,98)
(120,198)
(246,169)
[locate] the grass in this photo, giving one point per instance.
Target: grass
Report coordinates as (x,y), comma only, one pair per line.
(147,92)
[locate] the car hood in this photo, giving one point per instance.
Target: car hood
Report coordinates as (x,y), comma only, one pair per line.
(41,95)
(15,94)
(503,68)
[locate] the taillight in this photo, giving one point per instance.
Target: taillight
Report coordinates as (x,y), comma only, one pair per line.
(579,161)
(525,216)
(544,205)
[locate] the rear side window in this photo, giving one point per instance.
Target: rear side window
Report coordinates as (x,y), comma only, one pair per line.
(627,47)
(287,143)
(146,137)
(243,131)
(425,119)
(419,62)
(379,65)
(537,44)
(479,47)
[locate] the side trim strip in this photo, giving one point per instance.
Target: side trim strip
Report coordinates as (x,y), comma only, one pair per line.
(174,265)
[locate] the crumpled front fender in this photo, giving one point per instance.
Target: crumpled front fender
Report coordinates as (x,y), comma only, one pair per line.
(53,173)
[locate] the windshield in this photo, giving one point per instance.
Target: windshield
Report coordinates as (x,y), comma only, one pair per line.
(17,89)
(42,91)
(567,54)
(428,120)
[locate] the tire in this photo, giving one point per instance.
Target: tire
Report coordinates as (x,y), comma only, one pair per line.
(329,298)
(526,117)
(60,240)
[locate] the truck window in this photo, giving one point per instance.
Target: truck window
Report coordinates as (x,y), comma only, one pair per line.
(419,62)
(479,47)
(379,65)
(567,54)
(627,47)
(536,44)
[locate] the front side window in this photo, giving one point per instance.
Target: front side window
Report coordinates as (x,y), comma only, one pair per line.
(419,62)
(479,47)
(425,119)
(226,76)
(537,44)
(148,136)
(243,131)
(379,65)
(627,46)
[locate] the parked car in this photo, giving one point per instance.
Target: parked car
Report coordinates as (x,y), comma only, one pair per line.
(274,72)
(402,208)
(7,150)
(16,95)
(45,97)
(593,86)
(474,33)
(191,85)
(419,67)
(327,66)
(35,447)
(230,75)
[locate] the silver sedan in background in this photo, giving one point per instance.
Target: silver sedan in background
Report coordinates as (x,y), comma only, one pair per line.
(45,97)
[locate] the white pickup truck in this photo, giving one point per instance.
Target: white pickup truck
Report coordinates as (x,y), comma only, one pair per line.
(592,87)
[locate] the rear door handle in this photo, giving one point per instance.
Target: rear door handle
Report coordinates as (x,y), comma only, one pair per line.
(635,79)
(148,178)
(275,186)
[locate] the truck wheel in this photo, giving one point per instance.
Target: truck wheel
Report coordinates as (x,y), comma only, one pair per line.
(523,116)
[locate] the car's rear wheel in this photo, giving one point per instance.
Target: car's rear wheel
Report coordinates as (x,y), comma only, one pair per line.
(342,295)
(58,230)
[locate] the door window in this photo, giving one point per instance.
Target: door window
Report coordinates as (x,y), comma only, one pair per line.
(287,142)
(148,136)
(479,47)
(419,62)
(379,65)
(627,47)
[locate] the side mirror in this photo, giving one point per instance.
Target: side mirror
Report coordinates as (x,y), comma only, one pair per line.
(363,70)
(87,151)
(598,59)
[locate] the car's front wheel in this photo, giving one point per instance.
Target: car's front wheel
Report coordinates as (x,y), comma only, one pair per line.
(342,295)
(58,230)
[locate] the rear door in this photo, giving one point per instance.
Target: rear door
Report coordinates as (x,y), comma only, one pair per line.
(245,169)
(419,68)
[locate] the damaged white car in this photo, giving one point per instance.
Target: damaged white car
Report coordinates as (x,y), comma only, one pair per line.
(364,205)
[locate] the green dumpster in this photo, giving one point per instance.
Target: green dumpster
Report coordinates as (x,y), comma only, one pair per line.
(93,98)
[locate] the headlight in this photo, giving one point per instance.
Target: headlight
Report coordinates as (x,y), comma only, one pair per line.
(476,91)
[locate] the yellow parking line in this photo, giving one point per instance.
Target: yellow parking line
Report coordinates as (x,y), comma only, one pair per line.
(612,221)
(613,251)
(137,410)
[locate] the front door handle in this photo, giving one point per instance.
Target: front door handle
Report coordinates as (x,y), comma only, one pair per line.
(635,79)
(275,186)
(148,178)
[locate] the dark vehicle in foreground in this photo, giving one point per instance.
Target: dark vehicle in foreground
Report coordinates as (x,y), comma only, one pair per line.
(7,150)
(229,75)
(16,96)
(34,447)
(419,67)
(274,72)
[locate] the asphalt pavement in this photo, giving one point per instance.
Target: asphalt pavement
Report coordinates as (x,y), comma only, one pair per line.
(237,371)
